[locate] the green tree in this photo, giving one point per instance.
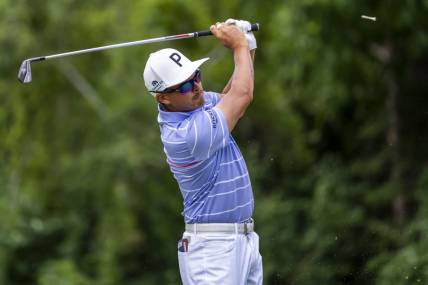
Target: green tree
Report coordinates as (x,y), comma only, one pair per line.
(335,141)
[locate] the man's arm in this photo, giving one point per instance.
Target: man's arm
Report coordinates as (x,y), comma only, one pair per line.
(239,95)
(227,87)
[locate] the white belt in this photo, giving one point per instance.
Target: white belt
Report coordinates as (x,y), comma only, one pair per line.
(243,228)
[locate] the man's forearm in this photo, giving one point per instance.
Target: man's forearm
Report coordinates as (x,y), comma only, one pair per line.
(229,84)
(242,83)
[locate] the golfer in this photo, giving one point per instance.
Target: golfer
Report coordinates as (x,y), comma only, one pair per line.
(219,245)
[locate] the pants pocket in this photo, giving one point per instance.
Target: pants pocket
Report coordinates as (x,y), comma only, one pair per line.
(218,245)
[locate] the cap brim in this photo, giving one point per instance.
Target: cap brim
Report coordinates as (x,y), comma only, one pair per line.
(186,74)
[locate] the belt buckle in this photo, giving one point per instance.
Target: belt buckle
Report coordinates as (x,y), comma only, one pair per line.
(245,229)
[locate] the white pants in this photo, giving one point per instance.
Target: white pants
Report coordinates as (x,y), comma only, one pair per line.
(220,259)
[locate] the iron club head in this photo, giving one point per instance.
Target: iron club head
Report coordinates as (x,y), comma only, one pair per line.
(24,74)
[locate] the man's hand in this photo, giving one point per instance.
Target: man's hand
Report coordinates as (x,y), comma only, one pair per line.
(229,35)
(245,27)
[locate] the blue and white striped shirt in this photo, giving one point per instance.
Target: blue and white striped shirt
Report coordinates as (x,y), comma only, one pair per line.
(207,164)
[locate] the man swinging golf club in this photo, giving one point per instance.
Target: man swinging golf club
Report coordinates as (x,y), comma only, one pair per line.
(219,245)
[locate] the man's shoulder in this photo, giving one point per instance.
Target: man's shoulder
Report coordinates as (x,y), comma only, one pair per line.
(176,128)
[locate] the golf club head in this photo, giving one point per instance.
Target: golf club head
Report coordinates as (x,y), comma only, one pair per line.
(24,74)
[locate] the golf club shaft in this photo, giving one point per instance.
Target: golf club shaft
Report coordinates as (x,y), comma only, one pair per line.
(254,27)
(24,74)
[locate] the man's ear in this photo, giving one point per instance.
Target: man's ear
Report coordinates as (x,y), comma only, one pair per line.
(163,98)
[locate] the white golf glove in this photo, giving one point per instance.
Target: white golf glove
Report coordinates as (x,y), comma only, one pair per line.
(245,27)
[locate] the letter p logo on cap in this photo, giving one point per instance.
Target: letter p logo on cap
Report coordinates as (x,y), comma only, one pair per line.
(175,57)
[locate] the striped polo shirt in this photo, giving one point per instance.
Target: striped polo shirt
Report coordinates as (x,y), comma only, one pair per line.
(207,164)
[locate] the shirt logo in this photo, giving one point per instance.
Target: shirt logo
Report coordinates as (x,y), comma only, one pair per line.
(213,119)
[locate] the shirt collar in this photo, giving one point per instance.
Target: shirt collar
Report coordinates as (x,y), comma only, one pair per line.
(174,117)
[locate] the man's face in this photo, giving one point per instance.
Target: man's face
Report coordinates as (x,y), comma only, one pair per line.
(184,97)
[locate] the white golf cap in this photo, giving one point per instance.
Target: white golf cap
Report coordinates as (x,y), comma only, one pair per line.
(168,67)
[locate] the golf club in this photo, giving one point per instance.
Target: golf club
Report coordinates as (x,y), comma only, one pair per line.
(24,74)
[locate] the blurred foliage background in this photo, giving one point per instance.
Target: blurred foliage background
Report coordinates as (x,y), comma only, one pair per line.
(335,140)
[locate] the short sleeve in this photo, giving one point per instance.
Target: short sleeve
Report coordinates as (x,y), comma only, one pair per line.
(207,134)
(211,98)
